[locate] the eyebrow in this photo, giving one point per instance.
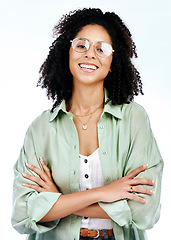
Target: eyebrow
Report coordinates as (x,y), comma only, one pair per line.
(95,42)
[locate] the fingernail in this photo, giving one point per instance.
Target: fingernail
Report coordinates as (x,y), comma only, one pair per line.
(24,174)
(146,165)
(154,182)
(41,159)
(28,165)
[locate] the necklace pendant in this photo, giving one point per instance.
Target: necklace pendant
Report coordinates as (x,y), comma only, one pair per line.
(84,127)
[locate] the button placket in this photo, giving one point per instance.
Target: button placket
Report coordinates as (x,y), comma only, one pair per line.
(85,174)
(87,182)
(85,160)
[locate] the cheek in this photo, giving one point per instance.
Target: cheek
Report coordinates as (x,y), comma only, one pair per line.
(70,56)
(110,61)
(107,64)
(71,60)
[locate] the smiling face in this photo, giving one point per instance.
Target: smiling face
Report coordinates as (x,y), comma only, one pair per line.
(88,67)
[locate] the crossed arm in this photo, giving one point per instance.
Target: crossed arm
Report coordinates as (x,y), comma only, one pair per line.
(85,203)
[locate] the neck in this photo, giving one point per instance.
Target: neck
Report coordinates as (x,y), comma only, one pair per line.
(85,100)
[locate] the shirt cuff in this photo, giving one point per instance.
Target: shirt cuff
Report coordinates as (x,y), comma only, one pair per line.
(39,204)
(118,211)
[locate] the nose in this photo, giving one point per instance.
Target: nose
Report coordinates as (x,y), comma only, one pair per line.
(90,53)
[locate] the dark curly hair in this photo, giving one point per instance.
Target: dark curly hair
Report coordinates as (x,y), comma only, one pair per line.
(122,83)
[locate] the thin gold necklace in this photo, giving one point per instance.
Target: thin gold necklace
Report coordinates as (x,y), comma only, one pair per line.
(84,125)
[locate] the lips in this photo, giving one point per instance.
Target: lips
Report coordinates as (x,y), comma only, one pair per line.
(88,67)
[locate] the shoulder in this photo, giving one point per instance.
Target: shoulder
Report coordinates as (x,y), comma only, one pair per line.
(41,124)
(42,120)
(136,118)
(134,110)
(38,129)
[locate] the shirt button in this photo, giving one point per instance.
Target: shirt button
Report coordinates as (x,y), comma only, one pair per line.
(86,176)
(85,160)
(75,146)
(105,153)
(108,179)
(102,126)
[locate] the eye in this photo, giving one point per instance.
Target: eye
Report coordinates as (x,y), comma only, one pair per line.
(103,49)
(100,47)
(81,46)
(100,50)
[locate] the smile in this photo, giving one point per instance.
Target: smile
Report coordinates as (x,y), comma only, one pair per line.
(90,67)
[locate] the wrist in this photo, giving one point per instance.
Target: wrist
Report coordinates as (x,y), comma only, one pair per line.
(98,194)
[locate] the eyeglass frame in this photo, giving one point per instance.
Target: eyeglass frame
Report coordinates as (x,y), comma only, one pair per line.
(91,43)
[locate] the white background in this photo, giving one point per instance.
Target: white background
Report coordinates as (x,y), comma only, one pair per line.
(26,34)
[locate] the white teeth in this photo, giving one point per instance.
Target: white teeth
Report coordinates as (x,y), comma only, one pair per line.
(92,67)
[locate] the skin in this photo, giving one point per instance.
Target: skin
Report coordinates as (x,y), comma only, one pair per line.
(83,77)
(88,91)
(87,95)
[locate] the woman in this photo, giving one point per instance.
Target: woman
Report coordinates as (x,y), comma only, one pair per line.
(89,168)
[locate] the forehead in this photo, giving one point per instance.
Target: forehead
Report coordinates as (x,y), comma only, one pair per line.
(94,33)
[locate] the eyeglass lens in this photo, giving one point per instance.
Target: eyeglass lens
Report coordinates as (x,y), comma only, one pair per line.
(81,45)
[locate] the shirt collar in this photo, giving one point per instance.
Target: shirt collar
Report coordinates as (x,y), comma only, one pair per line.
(115,110)
(61,107)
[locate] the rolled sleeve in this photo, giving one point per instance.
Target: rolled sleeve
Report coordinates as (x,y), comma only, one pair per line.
(29,206)
(142,215)
(118,211)
(146,215)
(142,150)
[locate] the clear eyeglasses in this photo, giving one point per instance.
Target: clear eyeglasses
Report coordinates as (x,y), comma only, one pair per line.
(102,49)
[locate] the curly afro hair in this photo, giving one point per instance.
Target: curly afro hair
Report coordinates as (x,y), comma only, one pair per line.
(122,83)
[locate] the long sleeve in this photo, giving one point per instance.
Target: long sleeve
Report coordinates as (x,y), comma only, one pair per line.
(142,149)
(28,205)
(125,143)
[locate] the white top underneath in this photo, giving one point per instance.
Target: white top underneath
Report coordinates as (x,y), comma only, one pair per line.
(90,176)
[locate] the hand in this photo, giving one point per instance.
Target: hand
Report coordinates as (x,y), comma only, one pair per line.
(124,187)
(44,181)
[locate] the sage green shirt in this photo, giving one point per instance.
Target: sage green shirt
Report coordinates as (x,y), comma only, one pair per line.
(125,142)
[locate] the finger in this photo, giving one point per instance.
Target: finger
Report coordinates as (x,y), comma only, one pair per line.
(136,198)
(142,181)
(37,180)
(34,187)
(45,168)
(136,171)
(40,172)
(137,189)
